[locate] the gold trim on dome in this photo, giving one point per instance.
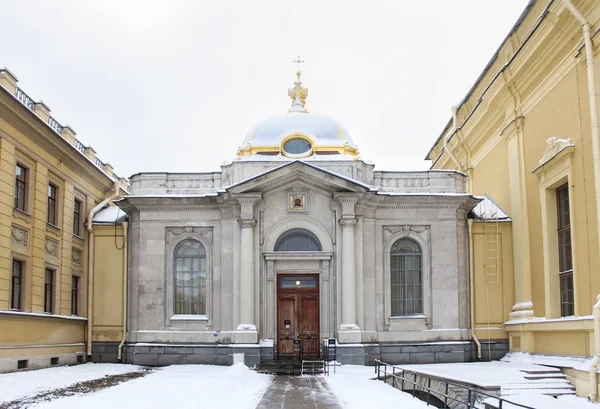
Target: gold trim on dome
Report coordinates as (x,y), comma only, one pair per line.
(250,150)
(297,135)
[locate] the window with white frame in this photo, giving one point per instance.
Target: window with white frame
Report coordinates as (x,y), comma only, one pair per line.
(189,278)
(406,281)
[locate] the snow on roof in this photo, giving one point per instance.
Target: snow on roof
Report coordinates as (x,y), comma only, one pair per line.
(109,215)
(487,209)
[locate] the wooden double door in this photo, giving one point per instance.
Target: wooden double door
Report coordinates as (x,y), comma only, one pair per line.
(298,314)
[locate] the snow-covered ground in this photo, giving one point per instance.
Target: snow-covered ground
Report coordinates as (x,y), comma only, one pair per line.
(207,386)
(19,385)
(355,389)
(191,386)
(178,386)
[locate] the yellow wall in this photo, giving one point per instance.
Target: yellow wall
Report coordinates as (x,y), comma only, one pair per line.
(33,335)
(493,296)
(27,139)
(542,93)
(108,283)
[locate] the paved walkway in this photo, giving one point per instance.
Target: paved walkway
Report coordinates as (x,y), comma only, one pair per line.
(296,392)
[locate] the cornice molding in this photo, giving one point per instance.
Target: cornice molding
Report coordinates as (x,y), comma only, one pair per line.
(42,138)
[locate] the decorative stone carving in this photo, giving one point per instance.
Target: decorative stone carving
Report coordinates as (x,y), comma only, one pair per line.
(189,184)
(554,146)
(261,227)
(206,232)
(19,236)
(76,257)
(421,230)
(406,183)
(51,247)
(333,225)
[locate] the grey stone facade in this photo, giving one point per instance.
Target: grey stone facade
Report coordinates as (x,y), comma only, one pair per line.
(355,212)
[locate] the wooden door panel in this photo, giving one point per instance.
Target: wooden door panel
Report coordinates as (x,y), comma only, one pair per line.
(308,323)
(298,318)
(286,312)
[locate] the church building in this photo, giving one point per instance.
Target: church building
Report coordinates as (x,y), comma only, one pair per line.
(298,238)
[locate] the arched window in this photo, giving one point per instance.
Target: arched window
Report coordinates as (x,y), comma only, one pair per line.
(298,240)
(406,278)
(190,278)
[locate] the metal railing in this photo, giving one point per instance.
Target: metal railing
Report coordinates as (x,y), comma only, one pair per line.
(58,128)
(55,125)
(401,377)
(79,146)
(298,350)
(25,100)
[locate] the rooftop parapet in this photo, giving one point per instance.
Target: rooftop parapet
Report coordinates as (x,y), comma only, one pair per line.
(9,82)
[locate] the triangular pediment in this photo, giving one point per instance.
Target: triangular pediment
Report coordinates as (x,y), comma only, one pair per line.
(298,171)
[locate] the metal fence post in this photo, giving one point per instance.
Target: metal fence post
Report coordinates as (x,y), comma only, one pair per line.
(428,389)
(469,402)
(446,396)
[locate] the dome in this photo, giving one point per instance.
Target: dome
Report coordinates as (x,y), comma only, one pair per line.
(298,134)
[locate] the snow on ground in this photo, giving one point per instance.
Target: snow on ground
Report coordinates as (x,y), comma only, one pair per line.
(177,386)
(18,385)
(485,374)
(355,389)
(546,402)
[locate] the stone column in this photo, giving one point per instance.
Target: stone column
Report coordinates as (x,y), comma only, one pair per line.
(246,332)
(349,330)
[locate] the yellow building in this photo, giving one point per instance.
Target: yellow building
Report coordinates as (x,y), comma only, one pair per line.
(50,184)
(527,136)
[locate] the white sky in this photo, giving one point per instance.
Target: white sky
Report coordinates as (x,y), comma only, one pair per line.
(176,85)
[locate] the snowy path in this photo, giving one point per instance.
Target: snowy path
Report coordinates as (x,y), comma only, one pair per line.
(309,392)
(206,386)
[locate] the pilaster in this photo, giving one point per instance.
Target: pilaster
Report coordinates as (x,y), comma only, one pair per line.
(246,331)
(513,133)
(349,331)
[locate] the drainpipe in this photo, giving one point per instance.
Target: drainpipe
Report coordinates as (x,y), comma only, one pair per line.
(472,298)
(125,273)
(596,361)
(592,95)
(90,229)
(448,136)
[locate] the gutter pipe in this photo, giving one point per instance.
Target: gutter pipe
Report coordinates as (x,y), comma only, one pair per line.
(593,377)
(90,294)
(593,100)
(471,278)
(125,271)
(449,135)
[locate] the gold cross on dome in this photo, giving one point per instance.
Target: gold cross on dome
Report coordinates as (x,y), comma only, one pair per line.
(298,61)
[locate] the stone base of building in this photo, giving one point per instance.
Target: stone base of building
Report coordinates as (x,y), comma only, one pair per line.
(354,354)
(105,352)
(27,362)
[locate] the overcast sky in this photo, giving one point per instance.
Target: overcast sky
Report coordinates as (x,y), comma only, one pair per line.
(175,85)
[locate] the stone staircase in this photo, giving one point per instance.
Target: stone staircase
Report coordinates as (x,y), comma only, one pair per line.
(547,381)
(313,367)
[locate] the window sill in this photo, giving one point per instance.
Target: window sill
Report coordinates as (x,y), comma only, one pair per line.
(189,317)
(408,323)
(78,239)
(189,322)
(21,214)
(53,229)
